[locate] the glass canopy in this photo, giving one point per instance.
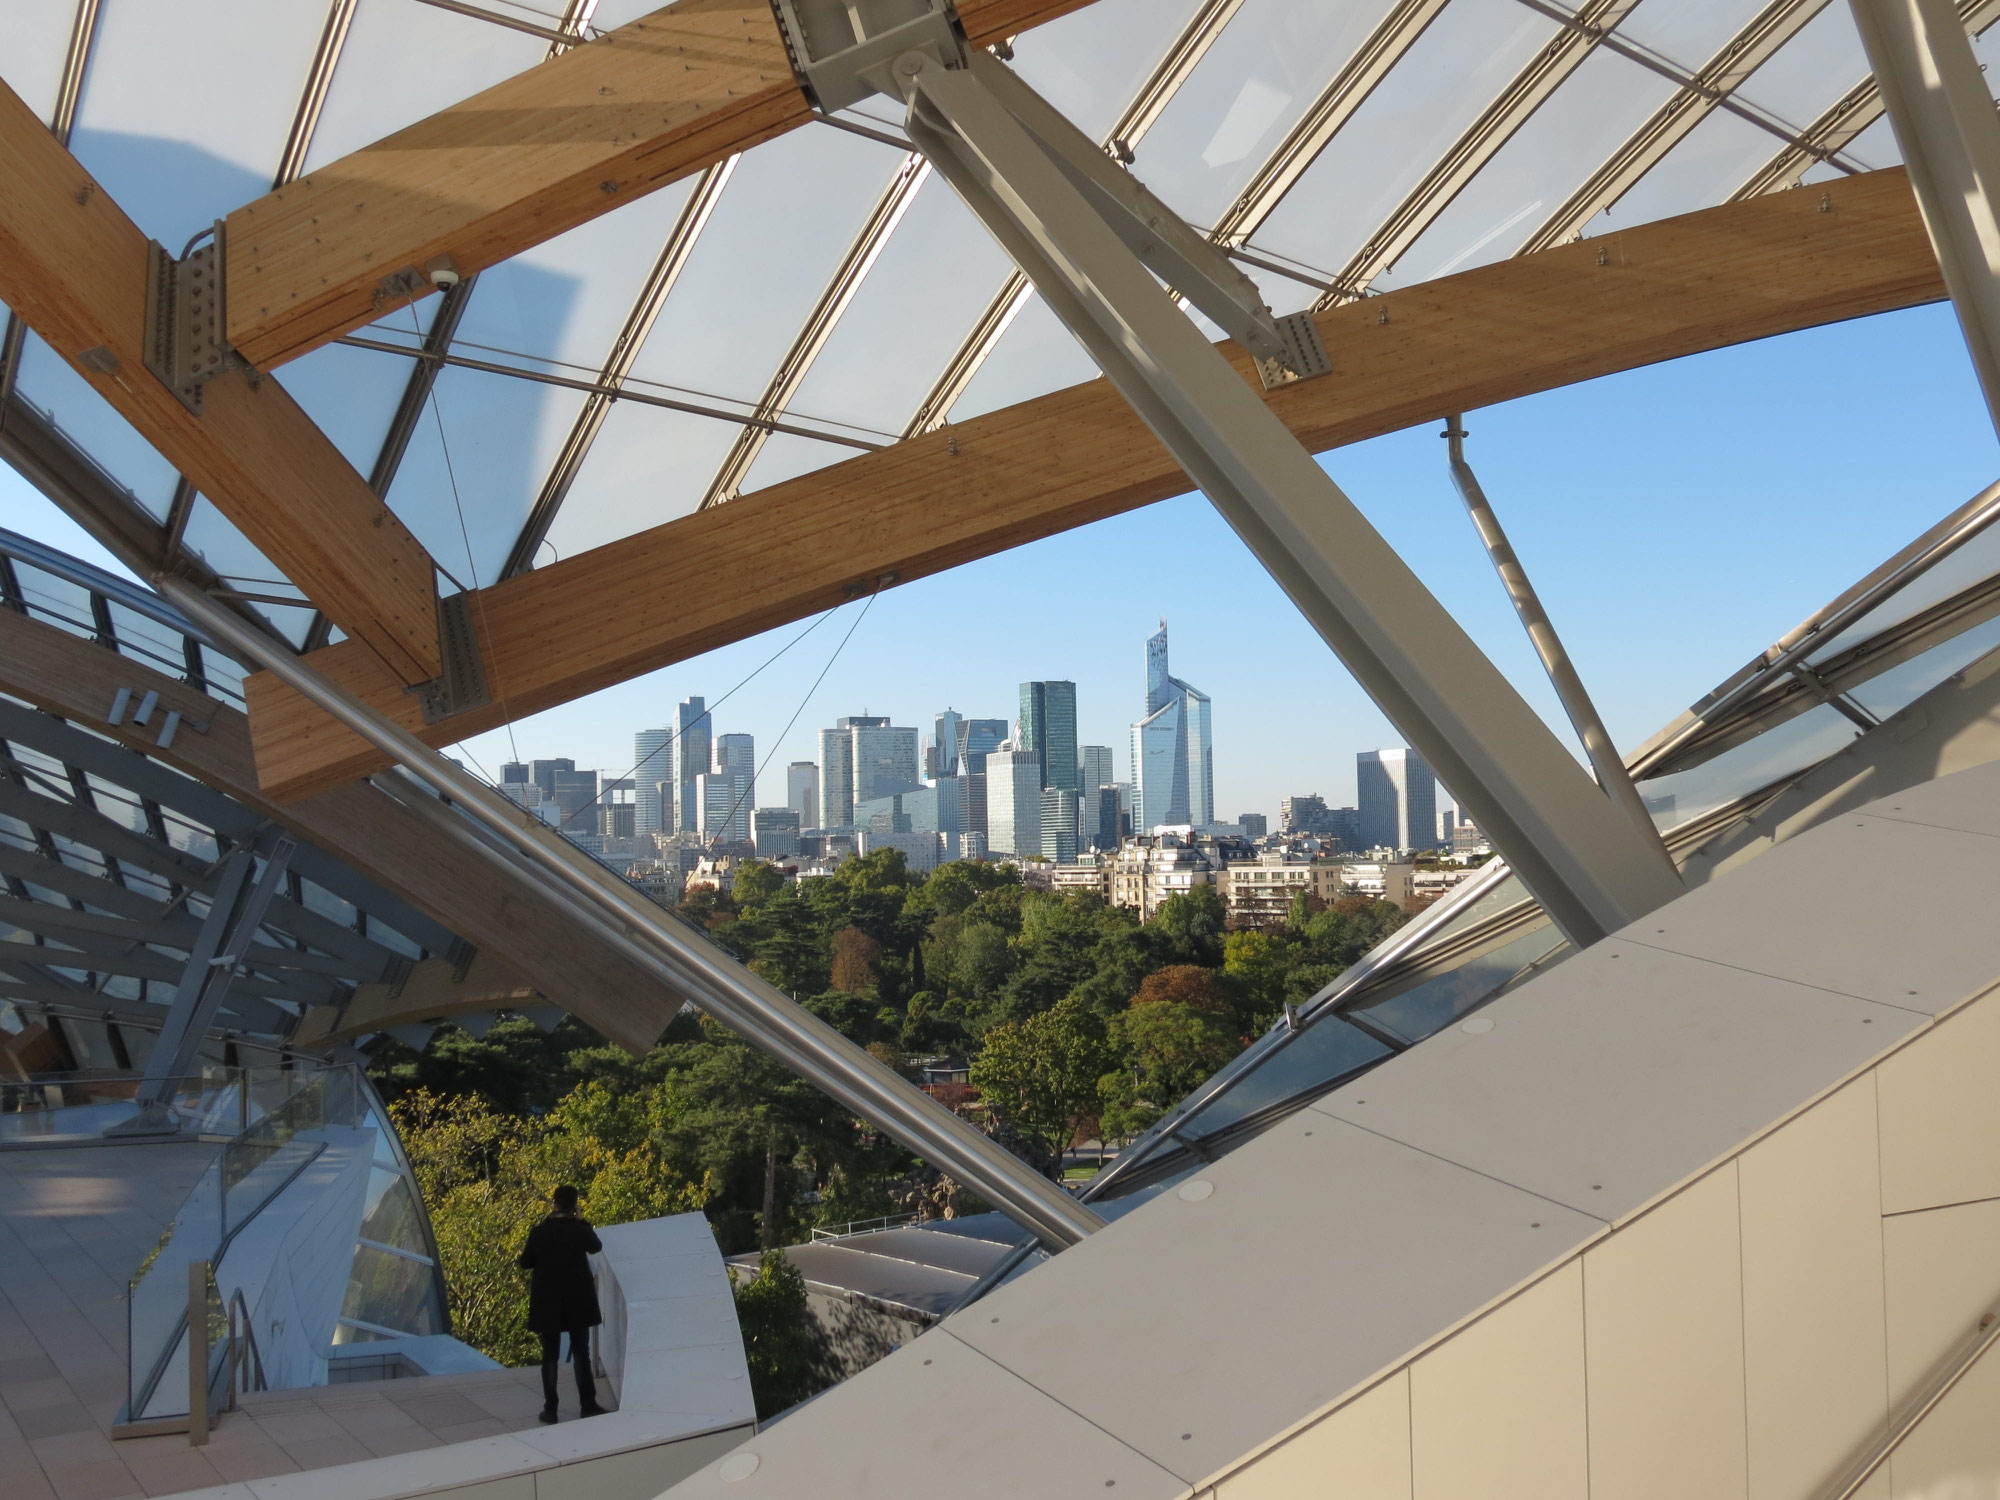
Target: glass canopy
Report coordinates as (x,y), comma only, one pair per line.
(825,281)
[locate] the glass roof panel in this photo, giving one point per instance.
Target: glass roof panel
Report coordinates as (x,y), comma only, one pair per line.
(55,597)
(565,301)
(213,537)
(1271,61)
(403,62)
(352,394)
(1975,561)
(1034,356)
(648,466)
(1326,1050)
(1425,1008)
(186,107)
(1812,70)
(500,436)
(1778,752)
(1439,88)
(1717,157)
(786,457)
(46,382)
(32,60)
(1562,143)
(1090,63)
(932,281)
(1894,690)
(1689,32)
(785,219)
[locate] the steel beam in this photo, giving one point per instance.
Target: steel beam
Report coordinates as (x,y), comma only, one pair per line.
(1591,869)
(1938,102)
(615,912)
(234,915)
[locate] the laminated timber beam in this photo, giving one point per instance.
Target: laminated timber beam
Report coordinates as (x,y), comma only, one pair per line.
(435,990)
(656,100)
(76,268)
(1659,291)
(77,680)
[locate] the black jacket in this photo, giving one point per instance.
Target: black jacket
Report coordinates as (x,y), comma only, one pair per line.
(561,1293)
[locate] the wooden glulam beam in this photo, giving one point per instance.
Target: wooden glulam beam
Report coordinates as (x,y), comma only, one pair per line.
(645,105)
(77,680)
(76,267)
(434,991)
(1659,291)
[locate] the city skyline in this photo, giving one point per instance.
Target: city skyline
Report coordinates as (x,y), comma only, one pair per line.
(1613,515)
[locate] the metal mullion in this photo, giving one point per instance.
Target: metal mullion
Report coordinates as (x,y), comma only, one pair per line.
(820,323)
(646,308)
(1854,112)
(1675,120)
(312,99)
(1139,116)
(1480,143)
(1386,46)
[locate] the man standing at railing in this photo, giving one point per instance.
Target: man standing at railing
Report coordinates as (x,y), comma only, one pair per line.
(562,1297)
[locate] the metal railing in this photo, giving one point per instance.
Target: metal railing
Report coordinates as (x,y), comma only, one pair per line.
(1940,1385)
(218,1101)
(867,1226)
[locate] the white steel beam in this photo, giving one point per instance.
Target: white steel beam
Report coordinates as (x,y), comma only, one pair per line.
(1943,114)
(1570,844)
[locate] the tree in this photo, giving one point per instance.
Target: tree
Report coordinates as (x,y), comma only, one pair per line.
(982,964)
(780,1342)
(757,881)
(1257,965)
(1040,1074)
(1184,984)
(855,955)
(1192,923)
(1172,1048)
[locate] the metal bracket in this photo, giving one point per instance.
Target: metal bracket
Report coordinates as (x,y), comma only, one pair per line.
(1304,353)
(840,50)
(462,684)
(396,973)
(185,343)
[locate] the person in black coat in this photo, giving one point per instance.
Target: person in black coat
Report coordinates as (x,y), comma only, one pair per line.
(562,1297)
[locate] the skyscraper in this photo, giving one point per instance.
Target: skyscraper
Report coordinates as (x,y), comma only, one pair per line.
(691,758)
(1013,801)
(652,764)
(1397,797)
(946,741)
(1059,820)
(861,757)
(1093,770)
(977,738)
(1173,753)
(802,792)
(543,773)
(1048,730)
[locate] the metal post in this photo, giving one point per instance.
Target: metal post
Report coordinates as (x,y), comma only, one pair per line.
(1937,100)
(234,915)
(197,1351)
(1591,869)
(1583,717)
(619,915)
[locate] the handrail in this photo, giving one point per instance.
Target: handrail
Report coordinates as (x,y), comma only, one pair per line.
(1987,1332)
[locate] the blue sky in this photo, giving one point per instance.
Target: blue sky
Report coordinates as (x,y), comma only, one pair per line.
(1676,519)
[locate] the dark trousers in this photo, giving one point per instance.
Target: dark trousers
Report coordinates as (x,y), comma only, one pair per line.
(579,1353)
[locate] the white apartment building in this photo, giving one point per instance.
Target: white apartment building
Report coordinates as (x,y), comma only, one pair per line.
(1146,871)
(1260,891)
(1382,880)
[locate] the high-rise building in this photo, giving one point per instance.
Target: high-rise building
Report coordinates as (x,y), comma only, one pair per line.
(691,758)
(836,760)
(978,738)
(543,772)
(1100,815)
(802,792)
(1059,820)
(724,798)
(515,773)
(949,728)
(1397,798)
(1013,801)
(1173,752)
(1254,825)
(1093,769)
(652,763)
(575,793)
(775,832)
(736,755)
(884,758)
(1048,729)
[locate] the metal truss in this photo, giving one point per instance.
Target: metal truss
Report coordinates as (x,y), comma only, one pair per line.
(1122,140)
(659,285)
(1480,143)
(1700,97)
(1835,130)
